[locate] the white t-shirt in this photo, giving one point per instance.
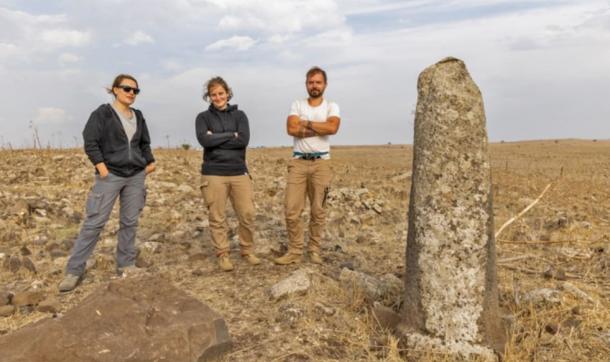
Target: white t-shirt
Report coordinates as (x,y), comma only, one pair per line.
(304,111)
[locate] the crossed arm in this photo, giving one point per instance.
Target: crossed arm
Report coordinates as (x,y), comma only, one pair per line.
(226,140)
(300,128)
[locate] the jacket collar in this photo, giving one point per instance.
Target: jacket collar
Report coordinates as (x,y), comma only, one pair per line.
(230,107)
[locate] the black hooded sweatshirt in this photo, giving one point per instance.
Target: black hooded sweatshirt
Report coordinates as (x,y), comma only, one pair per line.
(106,141)
(223,153)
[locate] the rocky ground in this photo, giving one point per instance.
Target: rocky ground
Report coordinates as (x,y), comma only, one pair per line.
(553,262)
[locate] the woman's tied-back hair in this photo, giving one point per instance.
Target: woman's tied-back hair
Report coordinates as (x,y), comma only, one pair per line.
(117,82)
(316,70)
(213,82)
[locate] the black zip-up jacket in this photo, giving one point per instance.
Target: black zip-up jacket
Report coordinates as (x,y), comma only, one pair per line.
(223,153)
(106,141)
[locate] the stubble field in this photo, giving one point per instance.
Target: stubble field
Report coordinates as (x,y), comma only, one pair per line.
(553,262)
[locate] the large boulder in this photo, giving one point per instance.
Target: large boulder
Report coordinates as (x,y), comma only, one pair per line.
(133,319)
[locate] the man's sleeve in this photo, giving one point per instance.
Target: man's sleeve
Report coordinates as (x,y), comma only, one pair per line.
(295,109)
(333,110)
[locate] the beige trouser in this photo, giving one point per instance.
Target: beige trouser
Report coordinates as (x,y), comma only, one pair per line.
(311,179)
(216,190)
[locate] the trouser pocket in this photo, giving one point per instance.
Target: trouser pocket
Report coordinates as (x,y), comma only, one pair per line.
(144,196)
(204,191)
(325,197)
(94,203)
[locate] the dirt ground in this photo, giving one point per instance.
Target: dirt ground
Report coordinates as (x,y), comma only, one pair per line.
(553,262)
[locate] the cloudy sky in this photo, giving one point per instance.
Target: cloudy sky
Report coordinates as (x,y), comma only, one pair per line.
(543,66)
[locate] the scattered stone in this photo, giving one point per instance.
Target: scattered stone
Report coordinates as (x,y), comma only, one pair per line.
(152,246)
(28,264)
(91,263)
(571,323)
(197,272)
(386,288)
(543,296)
(386,317)
(49,306)
(577,292)
(14,263)
(27,298)
(551,328)
(40,240)
(57,253)
(25,251)
(5,298)
(297,282)
(552,273)
(144,318)
(289,314)
(7,310)
(324,309)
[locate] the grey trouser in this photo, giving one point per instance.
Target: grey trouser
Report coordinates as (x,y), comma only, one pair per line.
(132,192)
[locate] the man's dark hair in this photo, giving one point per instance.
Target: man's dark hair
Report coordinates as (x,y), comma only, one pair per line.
(316,70)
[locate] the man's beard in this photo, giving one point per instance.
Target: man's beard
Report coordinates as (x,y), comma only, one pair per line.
(315,93)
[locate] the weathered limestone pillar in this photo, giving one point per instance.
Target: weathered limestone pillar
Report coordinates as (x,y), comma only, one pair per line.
(451,298)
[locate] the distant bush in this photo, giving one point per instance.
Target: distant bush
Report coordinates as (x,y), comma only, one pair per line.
(186,146)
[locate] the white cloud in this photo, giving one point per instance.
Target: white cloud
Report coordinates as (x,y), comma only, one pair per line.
(46,115)
(288,16)
(235,42)
(68,58)
(139,37)
(279,38)
(58,38)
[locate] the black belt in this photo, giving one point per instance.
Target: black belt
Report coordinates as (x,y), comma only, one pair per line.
(309,156)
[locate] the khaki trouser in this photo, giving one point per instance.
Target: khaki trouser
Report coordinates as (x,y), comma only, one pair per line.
(216,190)
(311,179)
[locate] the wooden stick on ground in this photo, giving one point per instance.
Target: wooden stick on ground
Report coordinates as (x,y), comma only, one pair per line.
(514,218)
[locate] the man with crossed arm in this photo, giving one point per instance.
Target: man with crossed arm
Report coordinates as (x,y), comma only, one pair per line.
(311,122)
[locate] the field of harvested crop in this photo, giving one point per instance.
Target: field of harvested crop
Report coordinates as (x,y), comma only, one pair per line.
(553,262)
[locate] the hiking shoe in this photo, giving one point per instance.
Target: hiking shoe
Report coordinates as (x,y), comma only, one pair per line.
(69,282)
(288,258)
(315,258)
(252,259)
(130,270)
(225,263)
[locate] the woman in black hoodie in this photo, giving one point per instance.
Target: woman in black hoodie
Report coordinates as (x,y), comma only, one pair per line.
(118,145)
(224,133)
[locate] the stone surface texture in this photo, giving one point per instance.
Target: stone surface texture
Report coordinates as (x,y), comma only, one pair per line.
(387,288)
(451,294)
(132,319)
(297,282)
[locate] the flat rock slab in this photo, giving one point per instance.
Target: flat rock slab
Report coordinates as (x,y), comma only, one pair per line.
(298,282)
(133,319)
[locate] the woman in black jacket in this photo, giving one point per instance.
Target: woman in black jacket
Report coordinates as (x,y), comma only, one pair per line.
(224,133)
(118,145)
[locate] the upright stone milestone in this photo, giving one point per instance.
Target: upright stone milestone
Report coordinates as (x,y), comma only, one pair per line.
(451,300)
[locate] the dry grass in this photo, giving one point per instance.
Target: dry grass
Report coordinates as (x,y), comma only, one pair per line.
(566,235)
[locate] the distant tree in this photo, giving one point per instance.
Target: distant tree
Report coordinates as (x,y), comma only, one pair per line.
(186,146)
